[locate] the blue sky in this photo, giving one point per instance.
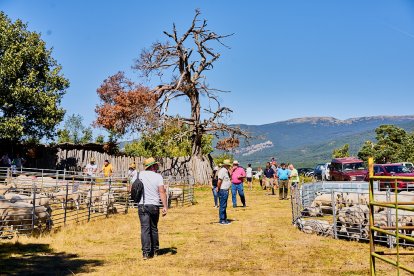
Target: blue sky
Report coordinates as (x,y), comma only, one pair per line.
(287,59)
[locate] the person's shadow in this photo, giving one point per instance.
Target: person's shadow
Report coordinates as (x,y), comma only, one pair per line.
(167,251)
(40,259)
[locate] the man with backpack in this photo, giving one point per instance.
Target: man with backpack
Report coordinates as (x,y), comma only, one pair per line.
(148,190)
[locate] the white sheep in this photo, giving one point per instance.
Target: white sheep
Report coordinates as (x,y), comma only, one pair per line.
(61,197)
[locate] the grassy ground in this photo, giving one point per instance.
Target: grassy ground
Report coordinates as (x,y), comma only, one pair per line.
(260,241)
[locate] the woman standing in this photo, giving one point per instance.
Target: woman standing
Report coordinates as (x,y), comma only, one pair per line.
(214,180)
(294,179)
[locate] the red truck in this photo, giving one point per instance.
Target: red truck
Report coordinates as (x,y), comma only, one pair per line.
(394,169)
(347,169)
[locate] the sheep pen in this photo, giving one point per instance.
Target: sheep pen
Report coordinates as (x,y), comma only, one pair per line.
(35,201)
(341,210)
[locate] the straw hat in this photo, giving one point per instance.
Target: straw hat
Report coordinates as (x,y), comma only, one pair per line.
(149,162)
(226,162)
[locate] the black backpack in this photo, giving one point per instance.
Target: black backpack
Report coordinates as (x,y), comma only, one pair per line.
(137,190)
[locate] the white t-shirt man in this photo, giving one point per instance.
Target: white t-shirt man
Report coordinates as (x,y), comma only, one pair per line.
(249,172)
(91,169)
(152,181)
(223,174)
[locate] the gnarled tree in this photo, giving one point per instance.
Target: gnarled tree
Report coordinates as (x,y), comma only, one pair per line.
(181,63)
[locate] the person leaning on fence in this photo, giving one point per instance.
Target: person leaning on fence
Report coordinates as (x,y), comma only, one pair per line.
(214,180)
(107,169)
(237,176)
(283,176)
(148,207)
(294,179)
(223,186)
(91,168)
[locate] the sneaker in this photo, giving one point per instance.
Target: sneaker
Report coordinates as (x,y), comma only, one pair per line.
(225,222)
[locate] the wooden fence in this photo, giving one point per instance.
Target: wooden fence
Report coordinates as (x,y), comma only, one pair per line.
(75,159)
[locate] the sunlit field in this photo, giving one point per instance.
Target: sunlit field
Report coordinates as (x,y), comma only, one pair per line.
(260,241)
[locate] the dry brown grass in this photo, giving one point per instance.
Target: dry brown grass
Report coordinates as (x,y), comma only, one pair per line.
(260,241)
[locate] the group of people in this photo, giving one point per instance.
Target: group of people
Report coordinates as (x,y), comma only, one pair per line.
(91,169)
(15,162)
(229,175)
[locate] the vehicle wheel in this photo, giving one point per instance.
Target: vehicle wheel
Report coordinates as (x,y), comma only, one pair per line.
(332,178)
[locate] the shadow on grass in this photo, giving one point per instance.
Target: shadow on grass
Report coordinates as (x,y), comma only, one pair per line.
(166,251)
(40,259)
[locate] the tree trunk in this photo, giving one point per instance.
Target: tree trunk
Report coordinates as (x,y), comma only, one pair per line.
(196,149)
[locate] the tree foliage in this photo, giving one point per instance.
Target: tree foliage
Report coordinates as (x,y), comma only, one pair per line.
(125,106)
(172,140)
(74,131)
(394,144)
(341,152)
(31,84)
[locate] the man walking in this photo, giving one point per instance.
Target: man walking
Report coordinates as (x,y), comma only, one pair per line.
(148,207)
(237,176)
(269,177)
(223,186)
(283,175)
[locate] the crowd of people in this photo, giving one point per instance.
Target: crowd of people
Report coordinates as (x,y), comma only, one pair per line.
(231,176)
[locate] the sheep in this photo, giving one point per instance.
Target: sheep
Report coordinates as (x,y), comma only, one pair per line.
(174,194)
(351,199)
(312,212)
(20,214)
(93,197)
(319,227)
(71,197)
(353,222)
(108,200)
(5,188)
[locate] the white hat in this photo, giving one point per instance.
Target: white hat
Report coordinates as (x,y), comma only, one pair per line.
(235,162)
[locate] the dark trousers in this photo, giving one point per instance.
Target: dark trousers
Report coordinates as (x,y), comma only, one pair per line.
(223,196)
(283,189)
(149,216)
(237,188)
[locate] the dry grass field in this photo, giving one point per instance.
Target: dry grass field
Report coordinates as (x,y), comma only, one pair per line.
(260,241)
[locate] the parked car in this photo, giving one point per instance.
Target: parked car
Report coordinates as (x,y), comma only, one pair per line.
(347,169)
(305,171)
(319,169)
(395,169)
(408,165)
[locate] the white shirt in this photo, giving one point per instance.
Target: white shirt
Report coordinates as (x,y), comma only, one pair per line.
(152,181)
(223,174)
(249,172)
(91,169)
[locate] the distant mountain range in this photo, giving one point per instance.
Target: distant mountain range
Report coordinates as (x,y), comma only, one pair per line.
(311,140)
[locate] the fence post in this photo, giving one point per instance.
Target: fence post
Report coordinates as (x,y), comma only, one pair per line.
(90,201)
(389,220)
(334,214)
(66,202)
(34,204)
(127,195)
(109,192)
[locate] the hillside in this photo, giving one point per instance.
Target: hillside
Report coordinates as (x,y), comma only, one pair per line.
(310,140)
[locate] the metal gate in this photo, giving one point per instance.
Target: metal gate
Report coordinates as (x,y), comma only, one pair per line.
(398,232)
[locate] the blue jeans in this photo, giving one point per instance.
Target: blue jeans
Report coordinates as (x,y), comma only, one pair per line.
(215,195)
(237,188)
(223,196)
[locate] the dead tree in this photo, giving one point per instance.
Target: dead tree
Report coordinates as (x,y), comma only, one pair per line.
(184,60)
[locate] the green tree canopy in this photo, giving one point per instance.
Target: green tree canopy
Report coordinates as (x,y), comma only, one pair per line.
(341,152)
(31,85)
(172,140)
(394,144)
(74,131)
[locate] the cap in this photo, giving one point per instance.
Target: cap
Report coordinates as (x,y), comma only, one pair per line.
(235,162)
